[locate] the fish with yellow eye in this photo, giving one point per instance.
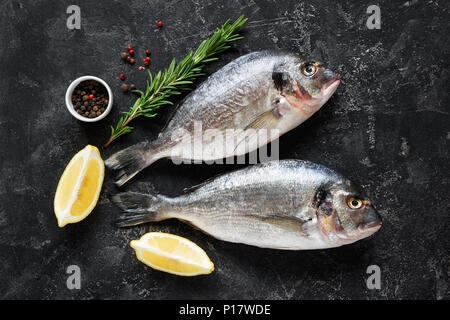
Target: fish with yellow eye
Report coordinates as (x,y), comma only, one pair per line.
(286,204)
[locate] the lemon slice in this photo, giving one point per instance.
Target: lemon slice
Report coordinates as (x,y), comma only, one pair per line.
(172,254)
(79,186)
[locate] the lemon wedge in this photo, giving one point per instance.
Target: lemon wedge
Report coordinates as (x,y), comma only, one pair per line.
(172,254)
(79,186)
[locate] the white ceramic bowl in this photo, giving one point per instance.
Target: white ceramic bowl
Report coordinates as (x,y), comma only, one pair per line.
(69,103)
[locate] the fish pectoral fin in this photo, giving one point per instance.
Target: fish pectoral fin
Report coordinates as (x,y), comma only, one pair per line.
(293,224)
(266,120)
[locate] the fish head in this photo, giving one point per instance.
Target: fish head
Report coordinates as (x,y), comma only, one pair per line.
(345,214)
(313,84)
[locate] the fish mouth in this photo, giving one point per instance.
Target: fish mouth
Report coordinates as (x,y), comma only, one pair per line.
(363,231)
(370,228)
(310,104)
(332,84)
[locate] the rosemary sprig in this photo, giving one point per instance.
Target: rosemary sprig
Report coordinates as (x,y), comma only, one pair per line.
(177,77)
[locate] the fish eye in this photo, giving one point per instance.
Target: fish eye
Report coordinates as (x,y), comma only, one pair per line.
(355,203)
(309,70)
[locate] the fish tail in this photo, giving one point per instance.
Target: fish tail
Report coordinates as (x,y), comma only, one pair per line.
(139,208)
(132,160)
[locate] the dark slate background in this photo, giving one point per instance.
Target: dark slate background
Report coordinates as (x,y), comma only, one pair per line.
(387,128)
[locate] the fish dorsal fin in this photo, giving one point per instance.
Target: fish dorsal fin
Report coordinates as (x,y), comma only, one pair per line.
(198,186)
(194,187)
(174,112)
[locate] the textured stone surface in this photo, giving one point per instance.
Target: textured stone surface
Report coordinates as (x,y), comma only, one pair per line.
(387,128)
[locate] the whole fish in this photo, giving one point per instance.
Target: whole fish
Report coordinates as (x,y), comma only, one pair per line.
(289,204)
(255,93)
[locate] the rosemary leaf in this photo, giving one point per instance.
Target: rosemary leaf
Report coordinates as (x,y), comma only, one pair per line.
(177,77)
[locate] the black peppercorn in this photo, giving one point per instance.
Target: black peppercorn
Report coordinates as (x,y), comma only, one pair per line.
(86,106)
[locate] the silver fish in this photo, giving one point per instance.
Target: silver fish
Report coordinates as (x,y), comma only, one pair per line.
(257,92)
(288,204)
